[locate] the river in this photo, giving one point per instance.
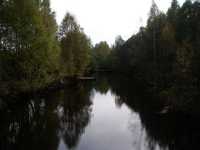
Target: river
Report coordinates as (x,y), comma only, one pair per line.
(106,114)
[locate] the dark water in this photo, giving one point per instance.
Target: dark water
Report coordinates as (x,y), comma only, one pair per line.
(107,114)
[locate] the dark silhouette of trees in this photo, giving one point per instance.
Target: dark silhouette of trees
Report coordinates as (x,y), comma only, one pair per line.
(43,121)
(166,51)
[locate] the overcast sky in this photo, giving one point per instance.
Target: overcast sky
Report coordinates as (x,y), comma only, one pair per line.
(103,20)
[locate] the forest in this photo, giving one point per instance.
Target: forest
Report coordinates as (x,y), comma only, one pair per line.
(35,51)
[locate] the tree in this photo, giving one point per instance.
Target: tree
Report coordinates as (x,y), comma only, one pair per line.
(172,12)
(75,48)
(26,45)
(100,54)
(68,25)
(51,27)
(118,42)
(153,22)
(154,11)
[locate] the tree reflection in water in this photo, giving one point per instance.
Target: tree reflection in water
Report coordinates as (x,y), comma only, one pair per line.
(47,121)
(40,122)
(172,131)
(74,114)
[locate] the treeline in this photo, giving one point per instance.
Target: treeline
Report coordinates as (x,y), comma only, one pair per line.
(166,51)
(34,50)
(164,56)
(106,58)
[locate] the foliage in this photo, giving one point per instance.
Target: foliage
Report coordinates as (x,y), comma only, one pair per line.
(28,43)
(100,54)
(167,49)
(32,54)
(75,48)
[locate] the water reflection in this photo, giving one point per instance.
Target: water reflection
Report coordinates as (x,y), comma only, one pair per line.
(173,131)
(44,122)
(112,113)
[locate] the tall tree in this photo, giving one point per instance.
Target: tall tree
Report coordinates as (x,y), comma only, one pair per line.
(75,47)
(173,12)
(154,11)
(50,24)
(25,45)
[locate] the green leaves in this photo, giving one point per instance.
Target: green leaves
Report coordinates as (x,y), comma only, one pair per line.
(75,48)
(28,34)
(100,54)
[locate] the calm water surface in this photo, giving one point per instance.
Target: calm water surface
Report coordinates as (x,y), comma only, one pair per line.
(111,126)
(106,114)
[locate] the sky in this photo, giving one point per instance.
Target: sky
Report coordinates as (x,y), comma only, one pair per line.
(103,20)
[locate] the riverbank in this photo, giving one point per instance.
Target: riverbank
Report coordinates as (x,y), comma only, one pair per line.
(160,102)
(15,89)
